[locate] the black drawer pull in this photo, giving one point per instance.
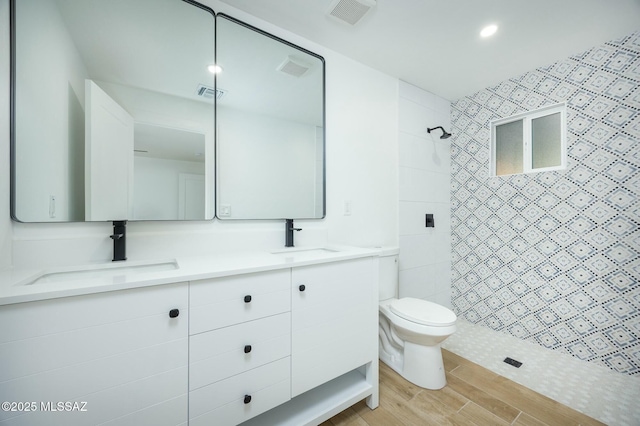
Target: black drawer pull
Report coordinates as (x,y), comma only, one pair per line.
(174,313)
(302,287)
(247,349)
(247,399)
(247,299)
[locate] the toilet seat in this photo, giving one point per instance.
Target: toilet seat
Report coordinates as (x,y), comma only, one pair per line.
(422,312)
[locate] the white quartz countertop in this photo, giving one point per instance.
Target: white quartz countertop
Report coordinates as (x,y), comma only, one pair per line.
(26,285)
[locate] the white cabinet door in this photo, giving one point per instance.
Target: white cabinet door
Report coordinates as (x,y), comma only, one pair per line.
(121,353)
(334,321)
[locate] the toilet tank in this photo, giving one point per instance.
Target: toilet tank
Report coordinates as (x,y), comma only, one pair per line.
(388,273)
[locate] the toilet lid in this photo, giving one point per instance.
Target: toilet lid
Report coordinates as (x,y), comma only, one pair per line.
(422,312)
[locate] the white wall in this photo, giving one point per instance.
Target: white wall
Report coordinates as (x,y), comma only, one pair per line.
(362,153)
(425,253)
(257,173)
(362,167)
(155,186)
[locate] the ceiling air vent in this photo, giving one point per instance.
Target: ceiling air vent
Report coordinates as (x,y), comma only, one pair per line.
(293,66)
(209,92)
(350,11)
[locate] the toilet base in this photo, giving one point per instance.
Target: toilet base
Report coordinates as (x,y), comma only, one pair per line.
(423,366)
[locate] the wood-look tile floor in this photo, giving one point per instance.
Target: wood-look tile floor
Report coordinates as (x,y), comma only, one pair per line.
(473,396)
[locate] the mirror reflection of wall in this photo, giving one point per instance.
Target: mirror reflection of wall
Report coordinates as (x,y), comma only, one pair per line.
(169,177)
(270,139)
(150,57)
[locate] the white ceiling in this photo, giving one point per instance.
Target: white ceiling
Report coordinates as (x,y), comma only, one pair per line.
(434,44)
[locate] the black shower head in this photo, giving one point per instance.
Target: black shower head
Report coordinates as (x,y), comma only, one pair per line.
(445,134)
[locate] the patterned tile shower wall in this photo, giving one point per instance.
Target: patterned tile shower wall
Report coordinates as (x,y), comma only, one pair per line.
(553,257)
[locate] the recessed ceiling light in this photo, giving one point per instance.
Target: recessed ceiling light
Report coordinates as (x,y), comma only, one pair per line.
(488,31)
(214,69)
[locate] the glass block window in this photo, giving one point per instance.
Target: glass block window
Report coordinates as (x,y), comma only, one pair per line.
(530,142)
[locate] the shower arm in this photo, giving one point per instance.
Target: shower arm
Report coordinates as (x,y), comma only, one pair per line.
(445,134)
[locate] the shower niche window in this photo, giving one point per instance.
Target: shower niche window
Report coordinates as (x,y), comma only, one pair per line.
(530,142)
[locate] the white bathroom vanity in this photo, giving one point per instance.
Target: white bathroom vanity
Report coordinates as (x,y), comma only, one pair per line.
(288,337)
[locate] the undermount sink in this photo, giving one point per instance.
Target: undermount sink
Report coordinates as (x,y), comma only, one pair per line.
(305,251)
(101,271)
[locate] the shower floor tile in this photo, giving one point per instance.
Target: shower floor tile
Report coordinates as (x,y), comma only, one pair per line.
(586,387)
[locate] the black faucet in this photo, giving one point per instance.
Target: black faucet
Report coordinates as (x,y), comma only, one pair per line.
(288,232)
(119,238)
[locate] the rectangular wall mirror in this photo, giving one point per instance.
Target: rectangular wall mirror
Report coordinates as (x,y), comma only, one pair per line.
(270,124)
(113,114)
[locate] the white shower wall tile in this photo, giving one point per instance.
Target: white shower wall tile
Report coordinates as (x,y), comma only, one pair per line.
(413,252)
(426,153)
(413,221)
(425,178)
(415,119)
(422,97)
(425,282)
(412,151)
(412,118)
(442,298)
(422,185)
(414,282)
(421,250)
(440,274)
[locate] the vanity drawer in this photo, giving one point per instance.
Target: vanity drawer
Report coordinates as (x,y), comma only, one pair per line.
(222,302)
(223,403)
(218,354)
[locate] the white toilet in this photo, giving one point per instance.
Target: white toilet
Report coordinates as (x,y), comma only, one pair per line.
(411,330)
